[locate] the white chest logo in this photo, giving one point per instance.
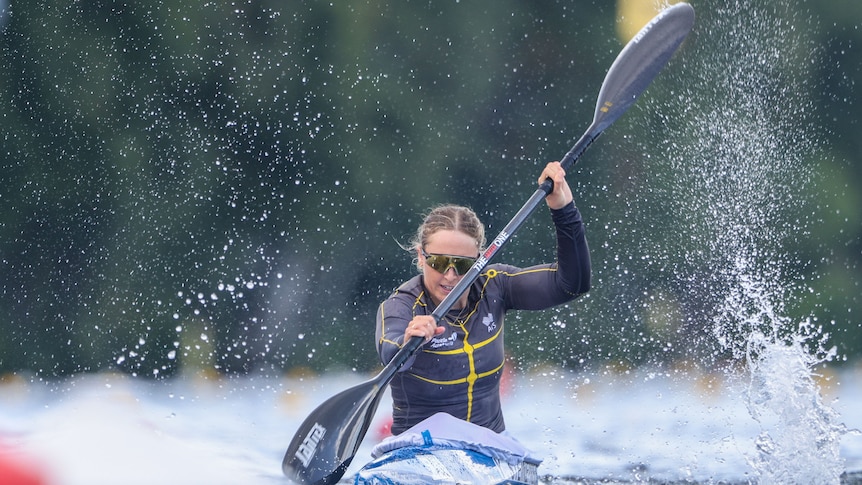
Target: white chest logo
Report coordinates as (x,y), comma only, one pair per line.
(489,322)
(449,341)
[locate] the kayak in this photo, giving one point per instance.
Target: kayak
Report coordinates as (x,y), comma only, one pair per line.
(444,449)
(418,465)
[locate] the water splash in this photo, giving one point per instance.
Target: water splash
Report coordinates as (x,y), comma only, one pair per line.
(800,438)
(738,194)
(799,441)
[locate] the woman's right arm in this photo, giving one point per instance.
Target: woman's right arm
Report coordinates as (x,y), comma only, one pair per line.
(393,317)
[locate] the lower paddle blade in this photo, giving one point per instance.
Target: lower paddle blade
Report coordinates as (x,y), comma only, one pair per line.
(326,442)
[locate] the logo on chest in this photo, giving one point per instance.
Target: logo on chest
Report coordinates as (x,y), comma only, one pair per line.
(440,342)
(489,323)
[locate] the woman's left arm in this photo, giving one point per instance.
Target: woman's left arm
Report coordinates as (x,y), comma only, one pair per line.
(573,254)
(547,285)
(574,267)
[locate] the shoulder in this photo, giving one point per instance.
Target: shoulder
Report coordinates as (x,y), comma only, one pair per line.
(412,287)
(499,269)
(494,277)
(504,274)
(407,293)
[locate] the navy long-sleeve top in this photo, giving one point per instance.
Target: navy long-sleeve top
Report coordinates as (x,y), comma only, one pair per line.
(458,371)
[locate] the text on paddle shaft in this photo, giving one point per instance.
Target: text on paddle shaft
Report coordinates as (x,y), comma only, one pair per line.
(309,445)
(495,245)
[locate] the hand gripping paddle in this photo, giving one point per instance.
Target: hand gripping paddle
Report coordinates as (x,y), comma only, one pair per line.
(327,441)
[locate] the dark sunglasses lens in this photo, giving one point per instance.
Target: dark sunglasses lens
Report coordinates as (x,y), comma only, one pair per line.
(441,264)
(462,265)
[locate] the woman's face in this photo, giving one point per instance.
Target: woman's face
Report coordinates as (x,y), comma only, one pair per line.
(452,243)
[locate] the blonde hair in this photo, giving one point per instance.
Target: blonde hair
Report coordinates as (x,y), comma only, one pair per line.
(452,218)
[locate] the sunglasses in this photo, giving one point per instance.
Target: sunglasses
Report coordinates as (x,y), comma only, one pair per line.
(442,262)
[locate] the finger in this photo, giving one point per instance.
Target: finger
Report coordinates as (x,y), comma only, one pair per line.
(553,171)
(423,329)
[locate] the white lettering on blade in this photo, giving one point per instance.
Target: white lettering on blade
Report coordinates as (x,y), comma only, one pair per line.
(640,35)
(309,445)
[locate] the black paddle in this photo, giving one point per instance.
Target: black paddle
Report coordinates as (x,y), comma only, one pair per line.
(326,442)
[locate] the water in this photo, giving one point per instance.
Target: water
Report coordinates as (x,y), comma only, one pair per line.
(624,426)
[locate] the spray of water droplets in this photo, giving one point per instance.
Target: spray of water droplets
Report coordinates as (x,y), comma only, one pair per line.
(744,132)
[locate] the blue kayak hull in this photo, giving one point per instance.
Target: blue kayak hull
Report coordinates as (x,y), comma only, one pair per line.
(422,465)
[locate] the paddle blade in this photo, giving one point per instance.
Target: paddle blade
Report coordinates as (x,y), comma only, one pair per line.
(640,61)
(326,442)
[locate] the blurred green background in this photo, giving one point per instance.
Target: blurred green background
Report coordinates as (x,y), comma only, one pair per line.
(223,185)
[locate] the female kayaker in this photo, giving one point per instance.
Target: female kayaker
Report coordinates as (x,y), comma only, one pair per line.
(458,369)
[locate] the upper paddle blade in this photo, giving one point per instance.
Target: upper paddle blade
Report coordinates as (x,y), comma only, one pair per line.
(326,442)
(640,62)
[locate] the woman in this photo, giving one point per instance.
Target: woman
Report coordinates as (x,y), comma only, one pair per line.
(458,369)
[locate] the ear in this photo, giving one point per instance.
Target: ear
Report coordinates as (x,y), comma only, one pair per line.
(420,259)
